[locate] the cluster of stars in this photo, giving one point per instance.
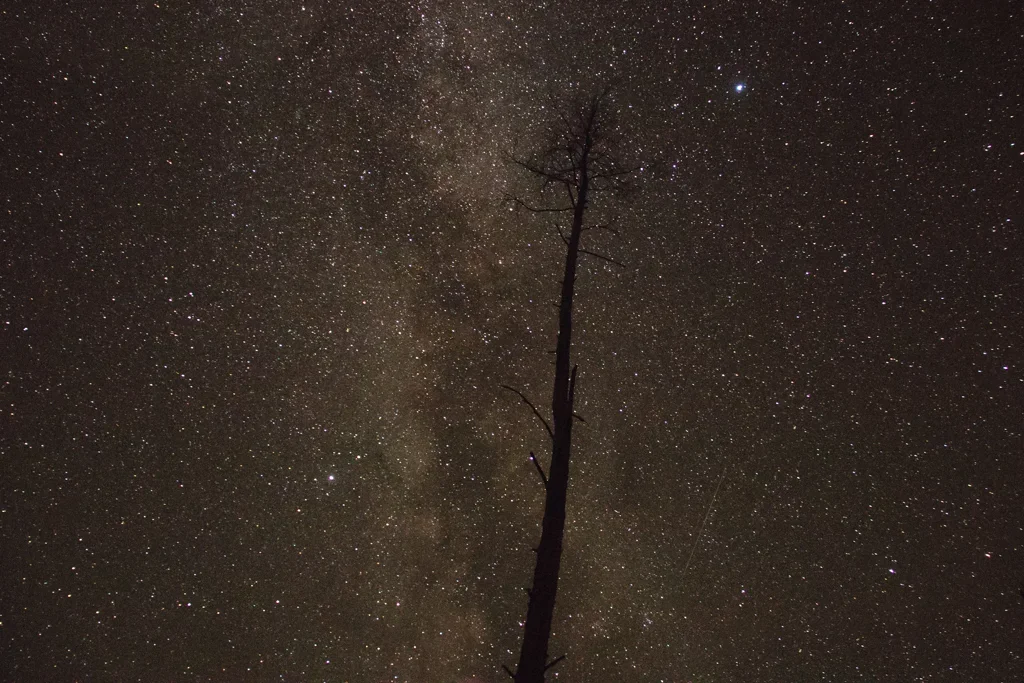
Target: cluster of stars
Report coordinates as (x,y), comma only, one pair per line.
(261,292)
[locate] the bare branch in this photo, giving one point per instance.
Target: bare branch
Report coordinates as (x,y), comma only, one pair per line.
(603,258)
(579,417)
(565,120)
(532,407)
(561,234)
(536,209)
(540,471)
(509,672)
(572,386)
(552,176)
(609,228)
(554,662)
(615,172)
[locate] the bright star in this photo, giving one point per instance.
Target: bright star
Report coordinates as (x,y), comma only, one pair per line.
(740,87)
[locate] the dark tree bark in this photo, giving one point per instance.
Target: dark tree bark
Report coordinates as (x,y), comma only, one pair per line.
(580,162)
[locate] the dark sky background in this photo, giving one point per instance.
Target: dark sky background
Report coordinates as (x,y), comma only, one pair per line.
(259,291)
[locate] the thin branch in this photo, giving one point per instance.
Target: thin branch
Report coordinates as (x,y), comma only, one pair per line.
(509,672)
(554,662)
(579,417)
(603,258)
(602,227)
(532,407)
(616,172)
(613,186)
(552,176)
(540,471)
(572,386)
(535,209)
(566,172)
(561,234)
(565,120)
(574,163)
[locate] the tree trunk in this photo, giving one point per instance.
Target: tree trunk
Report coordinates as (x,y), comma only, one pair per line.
(533,657)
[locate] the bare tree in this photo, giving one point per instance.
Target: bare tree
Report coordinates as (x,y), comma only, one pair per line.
(580,162)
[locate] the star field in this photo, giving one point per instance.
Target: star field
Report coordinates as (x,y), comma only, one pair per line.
(259,292)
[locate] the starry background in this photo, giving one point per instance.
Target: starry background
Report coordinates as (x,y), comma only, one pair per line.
(258,293)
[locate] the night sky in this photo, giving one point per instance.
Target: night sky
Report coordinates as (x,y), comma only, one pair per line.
(259,292)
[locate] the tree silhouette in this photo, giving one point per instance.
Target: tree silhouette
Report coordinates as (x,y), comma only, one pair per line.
(579,160)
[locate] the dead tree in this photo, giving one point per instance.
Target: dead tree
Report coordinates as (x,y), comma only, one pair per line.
(580,163)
